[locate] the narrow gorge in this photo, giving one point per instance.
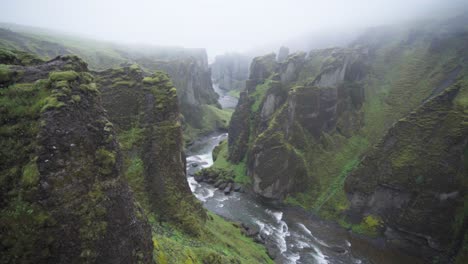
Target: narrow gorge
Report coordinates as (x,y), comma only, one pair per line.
(217,133)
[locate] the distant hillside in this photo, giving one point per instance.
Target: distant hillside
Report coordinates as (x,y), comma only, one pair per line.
(188,68)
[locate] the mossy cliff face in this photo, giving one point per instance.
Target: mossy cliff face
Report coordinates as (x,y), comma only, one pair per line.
(303,125)
(188,69)
(192,77)
(278,117)
(145,112)
(415,179)
(63,196)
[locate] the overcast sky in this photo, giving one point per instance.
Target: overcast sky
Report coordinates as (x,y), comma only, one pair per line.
(217,25)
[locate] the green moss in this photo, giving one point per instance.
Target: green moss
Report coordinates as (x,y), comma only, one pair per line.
(51,102)
(259,94)
(30,174)
(234,93)
(5,73)
(215,118)
(239,170)
(105,160)
(151,80)
(63,76)
(91,214)
(89,88)
(131,137)
(123,83)
(76,98)
(369,226)
(221,242)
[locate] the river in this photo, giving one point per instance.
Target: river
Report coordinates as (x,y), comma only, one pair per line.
(297,236)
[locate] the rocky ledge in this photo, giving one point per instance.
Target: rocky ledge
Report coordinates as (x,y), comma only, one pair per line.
(219,178)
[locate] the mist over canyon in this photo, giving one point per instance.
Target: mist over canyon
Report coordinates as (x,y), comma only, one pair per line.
(217,132)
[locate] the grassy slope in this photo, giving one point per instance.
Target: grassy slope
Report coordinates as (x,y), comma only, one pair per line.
(218,241)
(393,89)
(213,119)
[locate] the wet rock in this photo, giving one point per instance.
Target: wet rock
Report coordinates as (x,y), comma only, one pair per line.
(222,186)
(259,239)
(237,187)
(272,251)
(218,183)
(228,189)
(194,165)
(210,180)
(198,178)
(338,250)
(250,231)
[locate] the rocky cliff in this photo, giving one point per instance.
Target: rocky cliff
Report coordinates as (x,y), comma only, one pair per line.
(192,77)
(145,112)
(304,123)
(230,71)
(414,180)
(64,198)
(78,188)
(188,68)
(280,110)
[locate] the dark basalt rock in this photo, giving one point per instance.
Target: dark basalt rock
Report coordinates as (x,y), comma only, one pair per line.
(228,189)
(82,210)
(412,178)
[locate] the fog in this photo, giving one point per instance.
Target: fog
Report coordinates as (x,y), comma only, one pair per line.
(217,25)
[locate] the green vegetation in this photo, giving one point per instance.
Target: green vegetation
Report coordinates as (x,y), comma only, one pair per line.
(5,73)
(106,160)
(30,174)
(130,138)
(222,242)
(259,94)
(221,162)
(371,225)
(234,93)
(63,76)
(213,119)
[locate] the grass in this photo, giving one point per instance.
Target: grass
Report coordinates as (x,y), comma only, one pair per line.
(221,242)
(234,93)
(239,170)
(213,119)
(259,94)
(63,76)
(132,137)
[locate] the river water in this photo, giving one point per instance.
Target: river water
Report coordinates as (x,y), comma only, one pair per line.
(296,236)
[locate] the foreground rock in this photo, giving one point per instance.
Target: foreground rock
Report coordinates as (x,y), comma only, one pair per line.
(61,175)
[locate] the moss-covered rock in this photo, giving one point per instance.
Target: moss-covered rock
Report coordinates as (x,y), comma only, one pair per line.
(415,178)
(63,197)
(147,119)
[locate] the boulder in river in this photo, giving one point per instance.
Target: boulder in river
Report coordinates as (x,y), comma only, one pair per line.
(237,187)
(250,231)
(198,178)
(222,186)
(272,251)
(228,188)
(194,165)
(218,183)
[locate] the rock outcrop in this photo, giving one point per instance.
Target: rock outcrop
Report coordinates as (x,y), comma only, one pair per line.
(414,180)
(283,53)
(63,195)
(230,71)
(303,125)
(187,68)
(275,114)
(146,115)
